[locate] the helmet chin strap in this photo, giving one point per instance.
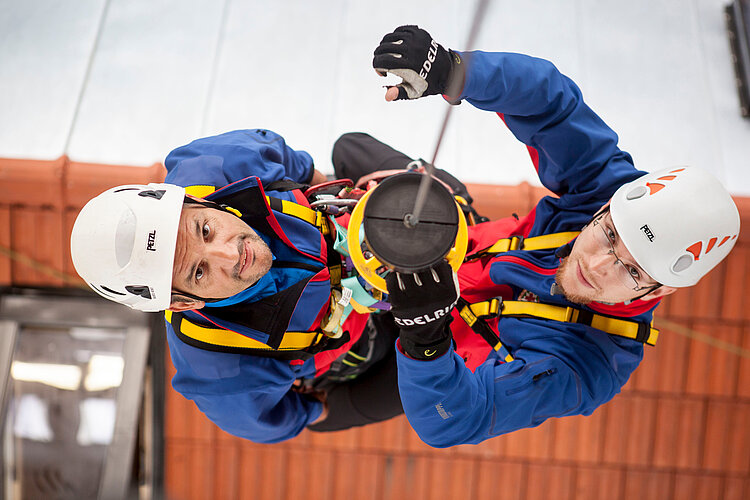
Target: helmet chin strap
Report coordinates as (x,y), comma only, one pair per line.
(653,287)
(598,214)
(210,204)
(196,297)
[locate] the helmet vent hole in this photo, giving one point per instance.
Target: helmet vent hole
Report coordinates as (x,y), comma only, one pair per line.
(125,238)
(682,263)
(111,291)
(637,192)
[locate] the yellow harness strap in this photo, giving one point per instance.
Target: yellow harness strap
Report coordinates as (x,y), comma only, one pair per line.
(513,308)
(488,308)
(332,320)
(302,212)
(292,341)
(553,240)
(475,314)
(200,191)
(314,217)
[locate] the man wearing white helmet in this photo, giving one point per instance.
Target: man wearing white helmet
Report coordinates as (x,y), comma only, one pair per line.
(229,247)
(554,307)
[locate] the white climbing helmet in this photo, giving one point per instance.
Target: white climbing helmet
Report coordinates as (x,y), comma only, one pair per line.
(678,223)
(123,244)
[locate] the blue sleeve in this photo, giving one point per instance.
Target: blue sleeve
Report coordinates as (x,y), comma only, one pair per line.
(578,152)
(246,396)
(269,417)
(223,159)
(556,376)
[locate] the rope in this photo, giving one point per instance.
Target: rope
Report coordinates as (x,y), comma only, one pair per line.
(41,267)
(702,337)
(412,219)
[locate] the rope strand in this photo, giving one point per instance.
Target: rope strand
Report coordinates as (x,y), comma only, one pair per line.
(41,267)
(702,337)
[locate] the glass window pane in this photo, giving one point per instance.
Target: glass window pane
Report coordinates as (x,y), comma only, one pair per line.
(61,416)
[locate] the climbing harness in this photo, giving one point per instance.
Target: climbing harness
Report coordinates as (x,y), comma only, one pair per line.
(476,315)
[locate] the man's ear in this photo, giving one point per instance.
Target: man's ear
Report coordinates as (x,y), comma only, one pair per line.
(186,304)
(662,291)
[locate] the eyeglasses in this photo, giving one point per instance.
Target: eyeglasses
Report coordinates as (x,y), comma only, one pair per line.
(626,273)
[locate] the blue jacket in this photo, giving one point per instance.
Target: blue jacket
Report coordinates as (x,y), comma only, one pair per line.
(250,396)
(559,369)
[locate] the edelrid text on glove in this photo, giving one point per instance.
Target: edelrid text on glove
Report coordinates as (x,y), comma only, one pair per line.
(421,304)
(424,65)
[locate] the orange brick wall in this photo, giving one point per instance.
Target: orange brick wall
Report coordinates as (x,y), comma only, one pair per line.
(39,201)
(680,429)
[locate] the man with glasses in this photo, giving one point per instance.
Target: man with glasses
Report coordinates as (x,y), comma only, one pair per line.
(554,307)
(628,273)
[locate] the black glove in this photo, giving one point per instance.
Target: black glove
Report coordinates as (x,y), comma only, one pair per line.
(424,65)
(421,304)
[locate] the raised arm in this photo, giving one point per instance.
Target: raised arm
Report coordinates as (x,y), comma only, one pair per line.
(233,156)
(577,152)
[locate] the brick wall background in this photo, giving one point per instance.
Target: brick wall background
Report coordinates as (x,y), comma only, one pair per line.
(680,429)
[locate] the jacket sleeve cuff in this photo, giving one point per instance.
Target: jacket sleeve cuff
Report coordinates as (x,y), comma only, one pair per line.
(315,413)
(308,179)
(440,354)
(457,80)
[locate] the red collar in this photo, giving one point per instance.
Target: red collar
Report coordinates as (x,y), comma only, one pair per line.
(635,308)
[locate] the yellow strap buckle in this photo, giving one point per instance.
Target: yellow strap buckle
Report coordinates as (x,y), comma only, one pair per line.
(506,244)
(484,310)
(488,308)
(322,223)
(571,314)
(467,315)
(516,243)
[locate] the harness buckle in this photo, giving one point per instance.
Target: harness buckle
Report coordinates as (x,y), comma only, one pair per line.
(495,307)
(516,243)
(643,333)
(570,312)
(467,314)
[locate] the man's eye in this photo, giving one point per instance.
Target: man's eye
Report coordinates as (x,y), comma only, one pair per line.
(198,273)
(634,272)
(206,230)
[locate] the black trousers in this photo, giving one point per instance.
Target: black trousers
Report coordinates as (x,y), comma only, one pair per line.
(372,394)
(357,154)
(368,393)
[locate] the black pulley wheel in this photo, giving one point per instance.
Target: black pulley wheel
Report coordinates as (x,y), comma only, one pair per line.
(394,242)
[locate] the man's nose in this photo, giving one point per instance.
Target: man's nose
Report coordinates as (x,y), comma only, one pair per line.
(224,254)
(601,263)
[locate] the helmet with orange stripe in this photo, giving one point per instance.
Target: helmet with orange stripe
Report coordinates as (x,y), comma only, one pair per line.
(677,223)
